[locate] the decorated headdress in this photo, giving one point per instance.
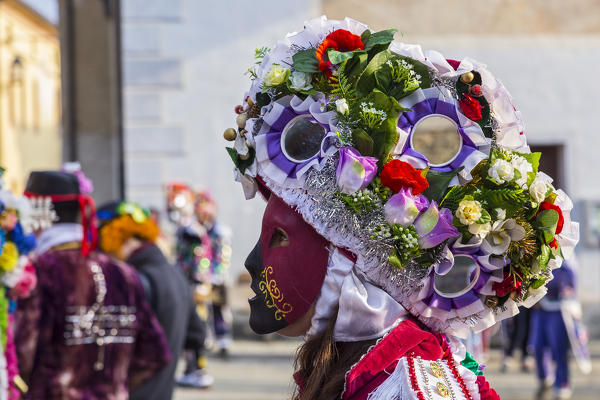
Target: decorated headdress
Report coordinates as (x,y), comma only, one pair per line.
(180,201)
(121,220)
(53,193)
(16,242)
(415,163)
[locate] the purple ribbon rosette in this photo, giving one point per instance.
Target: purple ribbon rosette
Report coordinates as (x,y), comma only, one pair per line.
(457,286)
(296,135)
(439,102)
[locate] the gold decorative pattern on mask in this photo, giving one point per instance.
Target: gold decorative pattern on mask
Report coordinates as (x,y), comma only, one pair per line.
(268,287)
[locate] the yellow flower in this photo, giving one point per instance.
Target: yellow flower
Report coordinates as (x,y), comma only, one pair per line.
(469,211)
(9,257)
(276,75)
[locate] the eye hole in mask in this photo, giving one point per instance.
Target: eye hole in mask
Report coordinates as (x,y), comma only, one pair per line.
(279,239)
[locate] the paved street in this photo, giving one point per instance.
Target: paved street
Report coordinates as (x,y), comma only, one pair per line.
(262,371)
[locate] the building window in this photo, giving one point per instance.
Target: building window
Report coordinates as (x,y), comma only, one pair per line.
(552,162)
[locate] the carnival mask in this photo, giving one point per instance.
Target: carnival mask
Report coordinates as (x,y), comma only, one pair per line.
(287,266)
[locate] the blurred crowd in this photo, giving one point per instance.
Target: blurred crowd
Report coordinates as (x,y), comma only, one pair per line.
(99,303)
(540,340)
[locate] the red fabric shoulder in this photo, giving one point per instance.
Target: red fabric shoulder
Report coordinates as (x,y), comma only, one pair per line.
(370,371)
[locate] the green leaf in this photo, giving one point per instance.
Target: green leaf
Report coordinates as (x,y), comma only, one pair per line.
(485,217)
(366,81)
(548,219)
(454,196)
(394,261)
(385,134)
(362,142)
(538,283)
(306,61)
(544,256)
(546,222)
(378,74)
(355,66)
(382,37)
(364,37)
(438,183)
(337,57)
(242,165)
(509,199)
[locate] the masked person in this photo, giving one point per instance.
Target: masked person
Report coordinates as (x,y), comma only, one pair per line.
(396,217)
(193,255)
(128,233)
(206,213)
(86,331)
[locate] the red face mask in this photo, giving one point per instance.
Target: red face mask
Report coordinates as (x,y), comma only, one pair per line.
(287,268)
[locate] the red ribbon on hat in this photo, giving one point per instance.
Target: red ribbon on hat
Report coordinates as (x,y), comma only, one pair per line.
(88,221)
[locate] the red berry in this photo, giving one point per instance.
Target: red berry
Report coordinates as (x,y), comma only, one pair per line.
(476,90)
(239,109)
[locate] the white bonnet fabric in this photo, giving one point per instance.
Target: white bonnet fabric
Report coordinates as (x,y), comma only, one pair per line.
(364,311)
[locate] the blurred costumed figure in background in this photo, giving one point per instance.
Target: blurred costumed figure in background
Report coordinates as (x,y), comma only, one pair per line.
(17,280)
(206,214)
(515,332)
(128,233)
(556,328)
(86,331)
(193,255)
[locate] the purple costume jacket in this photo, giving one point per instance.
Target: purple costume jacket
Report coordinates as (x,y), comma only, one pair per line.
(86,332)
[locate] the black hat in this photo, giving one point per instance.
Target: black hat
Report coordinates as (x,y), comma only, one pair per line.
(52,183)
(48,183)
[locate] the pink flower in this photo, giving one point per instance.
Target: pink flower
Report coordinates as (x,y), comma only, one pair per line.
(434,226)
(402,208)
(26,284)
(354,172)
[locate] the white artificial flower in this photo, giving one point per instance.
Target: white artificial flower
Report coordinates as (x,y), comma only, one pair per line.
(501,171)
(342,106)
(480,230)
(524,167)
(276,75)
(538,190)
(300,80)
(501,213)
(468,212)
(500,236)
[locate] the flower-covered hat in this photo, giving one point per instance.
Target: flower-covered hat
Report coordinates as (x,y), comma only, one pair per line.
(16,242)
(122,220)
(415,163)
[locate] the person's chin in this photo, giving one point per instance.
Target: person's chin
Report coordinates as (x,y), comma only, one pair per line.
(262,319)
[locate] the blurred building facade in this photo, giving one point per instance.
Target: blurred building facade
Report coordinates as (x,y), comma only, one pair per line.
(183,73)
(30,93)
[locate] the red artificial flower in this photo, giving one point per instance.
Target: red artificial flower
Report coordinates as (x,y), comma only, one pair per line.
(398,174)
(508,285)
(470,107)
(546,205)
(340,40)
